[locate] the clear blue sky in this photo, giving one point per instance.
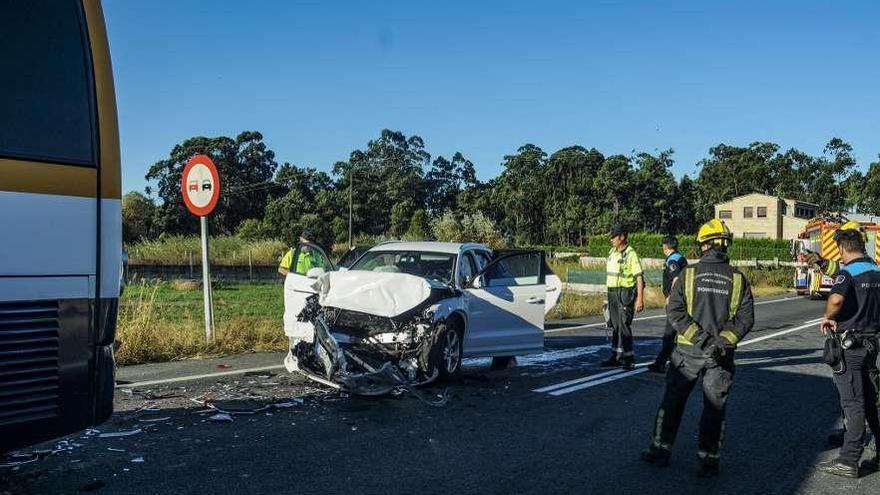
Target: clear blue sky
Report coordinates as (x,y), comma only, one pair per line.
(320,79)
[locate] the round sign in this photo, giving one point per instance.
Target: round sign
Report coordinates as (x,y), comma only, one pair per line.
(200,184)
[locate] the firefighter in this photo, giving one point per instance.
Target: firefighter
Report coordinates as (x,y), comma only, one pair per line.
(711,309)
(672,266)
(851,320)
(626,296)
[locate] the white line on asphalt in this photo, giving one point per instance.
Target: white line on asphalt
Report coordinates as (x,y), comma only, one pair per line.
(597,382)
(198,377)
(807,324)
(607,377)
(654,317)
(578,380)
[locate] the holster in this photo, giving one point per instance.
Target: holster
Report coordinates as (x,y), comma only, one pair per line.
(832,355)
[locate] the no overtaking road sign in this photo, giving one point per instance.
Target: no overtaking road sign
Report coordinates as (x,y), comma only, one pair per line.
(200,185)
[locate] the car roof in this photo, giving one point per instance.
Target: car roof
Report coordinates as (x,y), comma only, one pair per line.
(427,246)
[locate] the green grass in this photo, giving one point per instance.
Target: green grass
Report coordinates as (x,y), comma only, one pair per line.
(165,322)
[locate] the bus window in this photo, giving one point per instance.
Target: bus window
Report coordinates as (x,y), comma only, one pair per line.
(47,106)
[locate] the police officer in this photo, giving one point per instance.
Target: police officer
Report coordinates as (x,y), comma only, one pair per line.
(852,317)
(711,309)
(305,260)
(626,295)
(672,266)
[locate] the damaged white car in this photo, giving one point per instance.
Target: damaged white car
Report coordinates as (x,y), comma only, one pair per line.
(407,313)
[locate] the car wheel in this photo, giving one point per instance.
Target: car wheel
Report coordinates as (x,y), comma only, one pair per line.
(448,349)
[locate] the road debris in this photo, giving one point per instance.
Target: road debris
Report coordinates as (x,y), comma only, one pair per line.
(138,460)
(123,433)
(221,417)
(154,420)
(111,449)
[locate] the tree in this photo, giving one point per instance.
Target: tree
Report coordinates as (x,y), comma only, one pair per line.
(570,211)
(246,167)
(138,212)
(252,229)
(401,215)
(446,180)
(388,172)
(419,226)
(655,191)
(518,196)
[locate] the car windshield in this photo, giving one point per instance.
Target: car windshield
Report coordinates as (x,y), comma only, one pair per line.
(432,266)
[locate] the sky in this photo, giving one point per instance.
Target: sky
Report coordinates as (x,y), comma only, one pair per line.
(320,79)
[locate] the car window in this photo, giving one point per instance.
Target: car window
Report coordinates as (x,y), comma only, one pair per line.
(47,105)
(432,266)
(466,269)
(306,257)
(518,269)
(481,259)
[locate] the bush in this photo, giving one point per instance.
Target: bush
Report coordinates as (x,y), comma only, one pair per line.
(649,246)
(225,250)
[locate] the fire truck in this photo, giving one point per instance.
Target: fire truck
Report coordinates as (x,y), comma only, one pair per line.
(814,248)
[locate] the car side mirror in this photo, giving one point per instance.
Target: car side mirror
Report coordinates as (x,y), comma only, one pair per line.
(315,272)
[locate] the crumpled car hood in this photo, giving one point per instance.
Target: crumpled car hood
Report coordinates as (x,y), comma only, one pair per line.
(376,293)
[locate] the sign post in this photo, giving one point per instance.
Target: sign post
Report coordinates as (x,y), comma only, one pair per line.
(200,185)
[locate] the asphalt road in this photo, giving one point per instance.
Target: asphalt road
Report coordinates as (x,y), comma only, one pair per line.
(520,430)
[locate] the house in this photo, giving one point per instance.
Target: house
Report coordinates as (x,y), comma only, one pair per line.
(763,216)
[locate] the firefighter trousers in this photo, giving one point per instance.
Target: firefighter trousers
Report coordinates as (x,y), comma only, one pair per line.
(685,369)
(621,308)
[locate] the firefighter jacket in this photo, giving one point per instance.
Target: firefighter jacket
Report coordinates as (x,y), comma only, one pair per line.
(710,300)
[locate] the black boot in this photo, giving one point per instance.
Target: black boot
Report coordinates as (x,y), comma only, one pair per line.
(628,363)
(835,439)
(838,468)
(611,362)
(709,467)
(656,455)
(873,462)
(656,367)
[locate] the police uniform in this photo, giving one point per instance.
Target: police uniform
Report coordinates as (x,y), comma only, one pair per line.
(859,316)
(623,269)
(672,267)
(711,309)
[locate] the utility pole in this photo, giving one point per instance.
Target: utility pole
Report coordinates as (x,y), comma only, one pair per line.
(350,188)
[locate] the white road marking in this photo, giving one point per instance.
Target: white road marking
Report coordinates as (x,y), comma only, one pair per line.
(198,377)
(607,377)
(578,380)
(598,382)
(806,324)
(654,317)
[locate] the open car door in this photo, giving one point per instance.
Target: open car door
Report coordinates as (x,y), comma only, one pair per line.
(306,259)
(506,303)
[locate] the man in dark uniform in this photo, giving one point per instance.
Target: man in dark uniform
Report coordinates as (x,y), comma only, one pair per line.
(852,316)
(672,266)
(711,309)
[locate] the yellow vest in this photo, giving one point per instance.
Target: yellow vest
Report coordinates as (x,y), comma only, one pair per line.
(623,268)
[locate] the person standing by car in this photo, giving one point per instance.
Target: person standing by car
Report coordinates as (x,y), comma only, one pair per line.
(711,308)
(305,260)
(626,296)
(852,318)
(672,267)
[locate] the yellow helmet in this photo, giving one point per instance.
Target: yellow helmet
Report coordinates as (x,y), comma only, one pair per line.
(715,231)
(852,225)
